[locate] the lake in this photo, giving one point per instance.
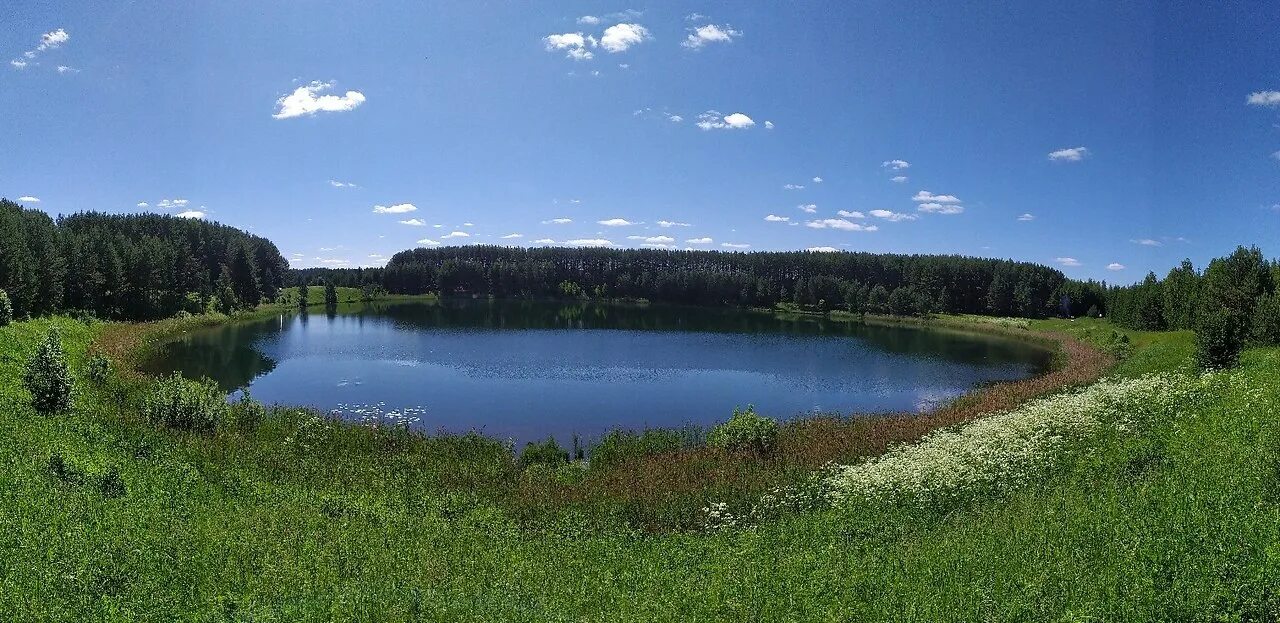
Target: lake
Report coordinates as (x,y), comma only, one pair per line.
(528,370)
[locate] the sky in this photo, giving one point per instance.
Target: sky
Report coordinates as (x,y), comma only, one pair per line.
(1106,139)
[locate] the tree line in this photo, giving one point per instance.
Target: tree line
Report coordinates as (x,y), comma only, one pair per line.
(1231,303)
(134,266)
(857,282)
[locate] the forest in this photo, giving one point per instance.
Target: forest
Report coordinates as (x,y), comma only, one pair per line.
(855,282)
(131,266)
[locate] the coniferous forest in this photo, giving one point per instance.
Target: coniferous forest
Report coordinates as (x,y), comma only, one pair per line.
(135,266)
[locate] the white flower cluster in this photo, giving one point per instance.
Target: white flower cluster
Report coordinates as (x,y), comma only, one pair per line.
(717,516)
(1003,451)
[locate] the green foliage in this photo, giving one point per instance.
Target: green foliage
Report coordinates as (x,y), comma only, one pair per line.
(543,453)
(47,376)
(619,446)
(569,289)
(6,309)
(330,295)
(1218,342)
(371,292)
(1229,292)
(228,303)
(246,413)
(746,430)
(184,404)
(98,369)
(303,296)
(111,485)
(1266,319)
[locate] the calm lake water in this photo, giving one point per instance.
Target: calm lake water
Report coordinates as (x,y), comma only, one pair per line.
(527,370)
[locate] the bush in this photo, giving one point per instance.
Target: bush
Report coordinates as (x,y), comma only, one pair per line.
(98,370)
(247,413)
(6,309)
(545,453)
(186,405)
(112,484)
(1266,319)
(618,446)
(47,376)
(746,430)
(1218,342)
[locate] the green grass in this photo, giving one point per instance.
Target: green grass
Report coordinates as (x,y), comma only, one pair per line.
(301,520)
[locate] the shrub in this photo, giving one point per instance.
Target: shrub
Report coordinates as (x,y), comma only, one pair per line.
(47,376)
(1218,342)
(618,446)
(61,469)
(247,413)
(98,369)
(112,484)
(186,405)
(6,309)
(1266,319)
(545,453)
(746,430)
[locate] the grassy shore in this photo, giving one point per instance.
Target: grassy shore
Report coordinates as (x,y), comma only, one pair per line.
(1170,514)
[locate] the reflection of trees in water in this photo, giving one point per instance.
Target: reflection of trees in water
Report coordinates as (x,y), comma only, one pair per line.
(226,354)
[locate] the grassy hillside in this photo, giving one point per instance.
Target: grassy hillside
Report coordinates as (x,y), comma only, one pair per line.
(1146,509)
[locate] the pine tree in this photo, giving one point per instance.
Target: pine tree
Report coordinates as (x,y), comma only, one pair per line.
(330,295)
(47,376)
(244,277)
(302,295)
(227,301)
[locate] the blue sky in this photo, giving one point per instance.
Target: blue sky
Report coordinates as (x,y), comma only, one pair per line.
(1125,130)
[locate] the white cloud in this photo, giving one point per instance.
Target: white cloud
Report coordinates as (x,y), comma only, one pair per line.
(710,33)
(588,20)
(695,16)
(793,186)
(711,120)
(925,195)
(896,165)
(768,125)
(808,208)
(190,214)
(892,216)
(456,234)
(619,37)
(674,118)
(839,223)
(617,222)
(1071,154)
(1263,98)
(817,180)
(544,241)
(143,204)
(468,224)
(940,208)
(590,242)
(18,63)
(1026,217)
(512,236)
(308,100)
(1115,266)
(671,224)
(64,69)
(1276,155)
(49,40)
(822,250)
(731,245)
(429,242)
(558,221)
(774,218)
(1146,242)
(338,184)
(399,208)
(898,178)
(29,199)
(699,241)
(851,214)
(165,204)
(624,66)
(1067,261)
(573,44)
(653,239)
(414,222)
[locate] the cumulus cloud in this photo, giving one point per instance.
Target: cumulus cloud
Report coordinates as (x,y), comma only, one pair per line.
(898,178)
(29,199)
(808,208)
(674,118)
(940,208)
(851,214)
(307,100)
(143,204)
(1263,98)
(712,120)
(1146,242)
(896,165)
(892,216)
(822,250)
(774,218)
(817,180)
(456,234)
(544,241)
(399,208)
(1070,154)
(619,37)
(926,196)
(573,44)
(557,221)
(590,242)
(699,241)
(1115,266)
(710,33)
(732,245)
(1026,217)
(512,236)
(414,222)
(429,242)
(1067,261)
(165,204)
(839,223)
(653,239)
(671,224)
(617,222)
(48,41)
(588,20)
(190,214)
(768,125)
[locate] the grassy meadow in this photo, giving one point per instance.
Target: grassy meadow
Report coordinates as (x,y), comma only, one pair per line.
(1150,495)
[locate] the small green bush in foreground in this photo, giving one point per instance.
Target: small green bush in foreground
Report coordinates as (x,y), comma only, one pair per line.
(98,369)
(543,453)
(746,430)
(47,376)
(186,405)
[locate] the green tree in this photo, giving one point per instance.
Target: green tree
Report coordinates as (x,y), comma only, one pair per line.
(47,377)
(1229,292)
(330,295)
(227,301)
(1266,319)
(1181,290)
(302,295)
(244,277)
(6,309)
